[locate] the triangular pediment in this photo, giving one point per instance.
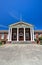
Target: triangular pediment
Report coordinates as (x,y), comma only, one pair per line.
(21,24)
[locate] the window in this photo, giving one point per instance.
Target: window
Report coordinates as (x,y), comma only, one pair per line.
(2,36)
(27,35)
(21,32)
(14,35)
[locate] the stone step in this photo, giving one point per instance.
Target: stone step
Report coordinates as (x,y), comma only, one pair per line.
(20,42)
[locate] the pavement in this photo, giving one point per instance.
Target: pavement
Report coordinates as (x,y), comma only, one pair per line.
(21,54)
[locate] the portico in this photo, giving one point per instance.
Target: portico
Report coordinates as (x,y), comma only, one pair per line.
(21,31)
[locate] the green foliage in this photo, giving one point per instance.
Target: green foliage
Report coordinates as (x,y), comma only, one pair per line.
(35,39)
(40,38)
(0,43)
(40,43)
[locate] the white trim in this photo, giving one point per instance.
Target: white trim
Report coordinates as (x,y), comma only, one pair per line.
(22,23)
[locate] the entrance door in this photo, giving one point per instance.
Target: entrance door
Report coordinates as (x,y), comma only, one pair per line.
(21,34)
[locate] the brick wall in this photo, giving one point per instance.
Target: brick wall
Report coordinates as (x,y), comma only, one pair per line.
(5,36)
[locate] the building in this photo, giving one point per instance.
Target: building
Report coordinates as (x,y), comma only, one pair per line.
(19,31)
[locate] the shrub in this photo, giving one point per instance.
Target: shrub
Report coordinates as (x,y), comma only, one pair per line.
(0,43)
(40,43)
(35,39)
(40,38)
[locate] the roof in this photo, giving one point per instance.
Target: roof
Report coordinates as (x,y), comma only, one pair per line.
(21,22)
(38,30)
(3,31)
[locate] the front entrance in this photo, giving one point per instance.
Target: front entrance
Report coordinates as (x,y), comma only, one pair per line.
(21,34)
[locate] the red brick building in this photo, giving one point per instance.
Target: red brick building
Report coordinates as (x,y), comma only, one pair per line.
(20,31)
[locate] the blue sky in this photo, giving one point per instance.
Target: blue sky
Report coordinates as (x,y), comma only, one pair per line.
(31,11)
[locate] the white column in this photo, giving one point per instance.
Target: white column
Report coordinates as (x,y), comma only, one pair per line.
(24,34)
(9,35)
(31,33)
(17,34)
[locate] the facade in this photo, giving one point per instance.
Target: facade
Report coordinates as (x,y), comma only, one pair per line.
(20,31)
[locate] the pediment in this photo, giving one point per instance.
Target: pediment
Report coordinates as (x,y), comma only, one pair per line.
(21,24)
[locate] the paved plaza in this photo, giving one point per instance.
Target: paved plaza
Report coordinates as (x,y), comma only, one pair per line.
(21,54)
